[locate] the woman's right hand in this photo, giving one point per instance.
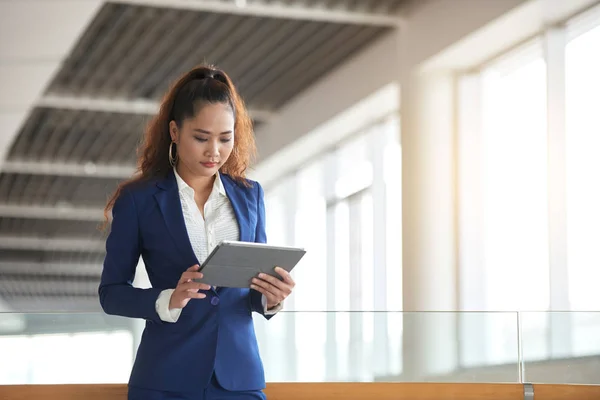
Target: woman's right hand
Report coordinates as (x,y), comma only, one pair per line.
(188,289)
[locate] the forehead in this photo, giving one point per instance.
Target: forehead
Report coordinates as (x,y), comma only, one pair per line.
(219,115)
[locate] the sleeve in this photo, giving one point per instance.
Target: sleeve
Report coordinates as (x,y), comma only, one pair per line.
(162,307)
(256,297)
(123,249)
(273,310)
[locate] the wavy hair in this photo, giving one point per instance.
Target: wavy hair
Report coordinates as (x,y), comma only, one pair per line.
(202,85)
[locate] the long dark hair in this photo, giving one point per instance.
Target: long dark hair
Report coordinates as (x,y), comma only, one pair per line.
(203,84)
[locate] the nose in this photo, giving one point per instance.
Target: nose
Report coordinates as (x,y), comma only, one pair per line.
(212,148)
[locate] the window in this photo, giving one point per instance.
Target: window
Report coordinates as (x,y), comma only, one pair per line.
(505,187)
(330,207)
(516,141)
(310,228)
(515,210)
(515,187)
(583,186)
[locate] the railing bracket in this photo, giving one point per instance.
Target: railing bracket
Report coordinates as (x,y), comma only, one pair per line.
(527,391)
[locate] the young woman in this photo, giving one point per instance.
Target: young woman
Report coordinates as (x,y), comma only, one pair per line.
(191,193)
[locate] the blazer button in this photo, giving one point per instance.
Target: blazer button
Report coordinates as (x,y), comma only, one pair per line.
(214,301)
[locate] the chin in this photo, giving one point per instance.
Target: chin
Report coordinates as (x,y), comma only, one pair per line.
(202,171)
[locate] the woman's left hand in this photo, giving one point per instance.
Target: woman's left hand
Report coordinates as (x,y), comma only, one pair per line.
(274,289)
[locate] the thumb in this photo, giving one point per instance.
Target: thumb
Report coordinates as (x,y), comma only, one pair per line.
(184,302)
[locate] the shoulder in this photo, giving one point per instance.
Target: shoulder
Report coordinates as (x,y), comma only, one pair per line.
(139,191)
(141,187)
(247,186)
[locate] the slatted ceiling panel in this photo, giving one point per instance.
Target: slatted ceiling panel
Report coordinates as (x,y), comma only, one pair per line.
(52,136)
(239,36)
(337,55)
(266,40)
(167,56)
(27,189)
(48,228)
(87,192)
(96,42)
(290,44)
(144,49)
(79,136)
(39,117)
(304,67)
(298,58)
(186,56)
(133,34)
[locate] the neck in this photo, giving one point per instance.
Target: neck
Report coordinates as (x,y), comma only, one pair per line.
(200,184)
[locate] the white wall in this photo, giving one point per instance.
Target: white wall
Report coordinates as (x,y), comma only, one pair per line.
(35,37)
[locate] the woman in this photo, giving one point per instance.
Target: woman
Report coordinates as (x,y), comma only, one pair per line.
(191,193)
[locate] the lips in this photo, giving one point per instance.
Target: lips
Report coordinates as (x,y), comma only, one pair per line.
(209,164)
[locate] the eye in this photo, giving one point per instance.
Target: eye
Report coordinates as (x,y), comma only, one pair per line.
(200,139)
(225,140)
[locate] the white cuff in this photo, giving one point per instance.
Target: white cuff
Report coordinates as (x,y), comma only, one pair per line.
(162,307)
(273,310)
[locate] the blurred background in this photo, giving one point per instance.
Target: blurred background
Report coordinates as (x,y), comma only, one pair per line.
(437,158)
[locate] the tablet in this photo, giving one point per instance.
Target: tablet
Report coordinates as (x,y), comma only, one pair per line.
(234,264)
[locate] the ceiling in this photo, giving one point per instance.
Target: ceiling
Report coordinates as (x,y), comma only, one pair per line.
(79,139)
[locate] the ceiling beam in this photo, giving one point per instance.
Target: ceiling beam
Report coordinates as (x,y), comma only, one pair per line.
(50,268)
(49,212)
(116,105)
(89,169)
(275,10)
(51,304)
(51,244)
(111,105)
(47,287)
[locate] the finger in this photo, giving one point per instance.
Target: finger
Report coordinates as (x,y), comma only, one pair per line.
(278,283)
(197,286)
(193,286)
(271,289)
(193,268)
(194,295)
(267,294)
(182,302)
(189,276)
(287,277)
(271,299)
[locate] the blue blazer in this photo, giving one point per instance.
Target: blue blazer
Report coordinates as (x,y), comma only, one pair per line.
(212,335)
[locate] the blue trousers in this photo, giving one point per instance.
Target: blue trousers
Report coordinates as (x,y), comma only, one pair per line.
(214,391)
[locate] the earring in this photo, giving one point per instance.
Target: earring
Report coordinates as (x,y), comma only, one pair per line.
(172,160)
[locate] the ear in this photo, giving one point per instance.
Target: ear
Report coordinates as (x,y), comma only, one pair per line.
(173,131)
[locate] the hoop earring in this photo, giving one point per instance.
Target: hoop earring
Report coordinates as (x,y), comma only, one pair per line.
(172,160)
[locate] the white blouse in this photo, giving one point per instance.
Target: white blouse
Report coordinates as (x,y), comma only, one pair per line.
(219,223)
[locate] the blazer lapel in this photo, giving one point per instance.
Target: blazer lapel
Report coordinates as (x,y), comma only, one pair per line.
(239,203)
(170,207)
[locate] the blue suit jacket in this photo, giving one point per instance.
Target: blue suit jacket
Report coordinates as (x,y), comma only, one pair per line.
(214,334)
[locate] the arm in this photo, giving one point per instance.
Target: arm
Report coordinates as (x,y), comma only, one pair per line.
(117,295)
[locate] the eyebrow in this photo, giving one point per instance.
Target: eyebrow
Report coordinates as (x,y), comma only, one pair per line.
(208,132)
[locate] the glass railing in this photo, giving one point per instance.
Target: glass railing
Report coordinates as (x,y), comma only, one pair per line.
(461,347)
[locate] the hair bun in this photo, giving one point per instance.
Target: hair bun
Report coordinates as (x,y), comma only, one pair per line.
(209,73)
